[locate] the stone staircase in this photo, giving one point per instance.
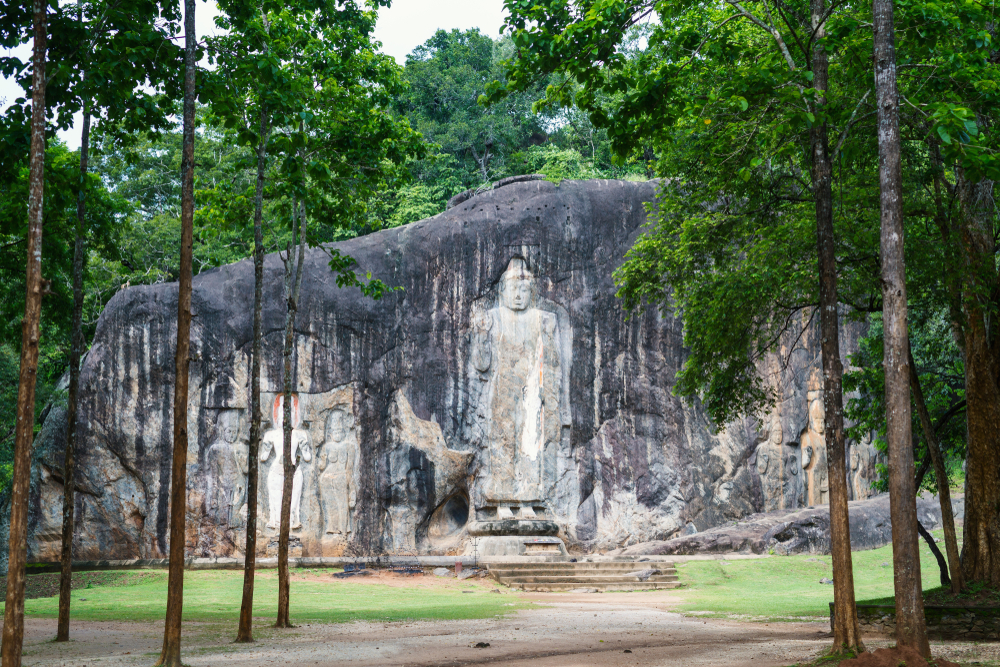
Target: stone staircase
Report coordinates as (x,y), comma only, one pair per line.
(600,575)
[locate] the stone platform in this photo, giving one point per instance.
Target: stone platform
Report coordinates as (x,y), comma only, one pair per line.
(593,575)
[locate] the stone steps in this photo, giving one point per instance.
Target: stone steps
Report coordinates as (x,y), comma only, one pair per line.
(571,586)
(602,575)
(559,572)
(599,579)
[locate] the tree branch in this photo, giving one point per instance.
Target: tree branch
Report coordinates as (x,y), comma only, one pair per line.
(769,30)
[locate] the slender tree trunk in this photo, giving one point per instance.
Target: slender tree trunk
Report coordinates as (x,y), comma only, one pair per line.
(981,534)
(245,633)
(910,628)
(944,493)
(293,286)
(171,655)
(76,351)
(938,556)
(284,529)
(13,613)
(846,632)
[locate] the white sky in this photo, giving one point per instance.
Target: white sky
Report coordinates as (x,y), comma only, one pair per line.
(401,28)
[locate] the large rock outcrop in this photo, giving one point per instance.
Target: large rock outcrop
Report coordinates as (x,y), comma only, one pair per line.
(503,377)
(802,531)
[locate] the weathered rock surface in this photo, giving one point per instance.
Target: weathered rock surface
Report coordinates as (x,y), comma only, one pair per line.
(502,383)
(803,531)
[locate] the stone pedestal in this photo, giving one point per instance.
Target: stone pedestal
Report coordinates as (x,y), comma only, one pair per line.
(510,528)
(503,547)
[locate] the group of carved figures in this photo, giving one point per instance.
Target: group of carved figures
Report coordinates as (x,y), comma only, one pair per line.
(227,469)
(779,464)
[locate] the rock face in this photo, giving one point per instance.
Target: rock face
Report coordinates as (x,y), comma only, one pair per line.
(802,531)
(502,383)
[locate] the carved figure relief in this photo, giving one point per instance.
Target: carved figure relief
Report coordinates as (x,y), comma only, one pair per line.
(814,458)
(778,468)
(862,468)
(273,441)
(337,459)
(771,465)
(226,463)
(518,352)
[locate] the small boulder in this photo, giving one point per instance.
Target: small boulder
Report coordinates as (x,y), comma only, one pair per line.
(442,572)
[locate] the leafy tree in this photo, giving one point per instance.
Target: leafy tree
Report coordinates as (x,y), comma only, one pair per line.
(766,76)
(446,76)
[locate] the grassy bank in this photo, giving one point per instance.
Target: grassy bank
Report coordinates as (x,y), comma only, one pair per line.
(316,596)
(788,587)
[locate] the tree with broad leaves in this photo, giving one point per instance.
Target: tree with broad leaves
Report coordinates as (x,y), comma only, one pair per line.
(781,59)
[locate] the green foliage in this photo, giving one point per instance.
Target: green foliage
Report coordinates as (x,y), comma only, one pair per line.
(725,99)
(446,76)
(942,380)
(104,232)
(416,202)
(557,163)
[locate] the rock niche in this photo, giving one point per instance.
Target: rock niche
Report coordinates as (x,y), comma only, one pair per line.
(501,390)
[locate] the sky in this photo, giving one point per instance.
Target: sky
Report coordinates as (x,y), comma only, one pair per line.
(401,28)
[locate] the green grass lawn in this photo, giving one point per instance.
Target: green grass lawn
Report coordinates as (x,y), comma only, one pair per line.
(787,587)
(213,596)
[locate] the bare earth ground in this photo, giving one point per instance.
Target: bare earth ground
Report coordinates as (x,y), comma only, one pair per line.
(565,630)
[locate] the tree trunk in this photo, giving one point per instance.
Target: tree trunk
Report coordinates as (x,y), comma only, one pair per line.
(944,493)
(245,633)
(942,565)
(292,288)
(76,351)
(13,614)
(846,632)
(981,535)
(910,628)
(171,654)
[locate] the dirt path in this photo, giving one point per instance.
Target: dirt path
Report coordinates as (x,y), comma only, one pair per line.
(569,631)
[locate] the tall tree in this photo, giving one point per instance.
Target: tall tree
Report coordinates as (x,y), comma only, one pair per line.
(290,458)
(781,69)
(171,654)
(846,632)
(955,579)
(76,352)
(911,630)
(13,628)
(246,99)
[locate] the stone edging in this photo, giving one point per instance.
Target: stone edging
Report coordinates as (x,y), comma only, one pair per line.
(942,622)
(262,563)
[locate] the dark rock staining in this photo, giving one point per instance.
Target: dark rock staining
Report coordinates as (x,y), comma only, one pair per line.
(503,383)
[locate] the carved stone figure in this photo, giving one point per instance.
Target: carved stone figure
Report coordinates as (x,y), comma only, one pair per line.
(226,475)
(771,465)
(814,458)
(238,509)
(791,485)
(778,467)
(274,441)
(862,470)
(518,352)
(336,459)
